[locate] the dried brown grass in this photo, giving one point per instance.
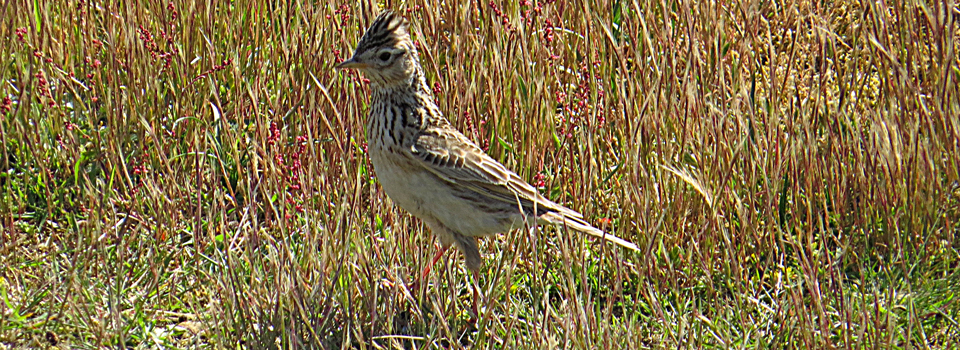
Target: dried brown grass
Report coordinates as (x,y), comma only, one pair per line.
(178,175)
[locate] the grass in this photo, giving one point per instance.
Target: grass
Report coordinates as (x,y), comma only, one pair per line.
(176,175)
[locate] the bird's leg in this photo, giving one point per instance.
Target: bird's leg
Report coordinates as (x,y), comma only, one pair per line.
(426,269)
(476,296)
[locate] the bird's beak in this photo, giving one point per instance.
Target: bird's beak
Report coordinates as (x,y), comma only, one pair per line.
(351,63)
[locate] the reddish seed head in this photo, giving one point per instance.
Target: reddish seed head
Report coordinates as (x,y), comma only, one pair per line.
(274,136)
(539,180)
(548,31)
(344,15)
(7,105)
(561,97)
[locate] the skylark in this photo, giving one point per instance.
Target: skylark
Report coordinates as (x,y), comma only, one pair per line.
(432,170)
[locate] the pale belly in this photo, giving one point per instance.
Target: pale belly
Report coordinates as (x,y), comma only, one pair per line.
(426,196)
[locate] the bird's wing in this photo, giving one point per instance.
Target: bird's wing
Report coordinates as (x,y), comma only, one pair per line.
(454,158)
(448,154)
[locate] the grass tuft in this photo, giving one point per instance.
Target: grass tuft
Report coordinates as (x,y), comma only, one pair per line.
(179,174)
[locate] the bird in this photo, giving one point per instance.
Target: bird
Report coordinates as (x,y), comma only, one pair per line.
(430,169)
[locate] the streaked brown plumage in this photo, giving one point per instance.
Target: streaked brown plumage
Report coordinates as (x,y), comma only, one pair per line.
(432,170)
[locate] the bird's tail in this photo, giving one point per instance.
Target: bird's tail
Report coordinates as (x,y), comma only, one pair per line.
(573,221)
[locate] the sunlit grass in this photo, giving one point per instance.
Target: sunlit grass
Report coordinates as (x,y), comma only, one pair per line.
(180,176)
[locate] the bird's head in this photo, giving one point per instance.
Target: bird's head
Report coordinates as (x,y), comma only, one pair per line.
(385,53)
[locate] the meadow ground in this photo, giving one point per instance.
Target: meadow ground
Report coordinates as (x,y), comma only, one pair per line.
(180,174)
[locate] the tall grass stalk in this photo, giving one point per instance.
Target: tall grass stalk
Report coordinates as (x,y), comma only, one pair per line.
(179,174)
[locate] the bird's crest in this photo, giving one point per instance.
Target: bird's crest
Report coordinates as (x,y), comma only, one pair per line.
(387,29)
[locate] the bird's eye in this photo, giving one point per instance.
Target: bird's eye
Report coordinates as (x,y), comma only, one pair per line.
(385,56)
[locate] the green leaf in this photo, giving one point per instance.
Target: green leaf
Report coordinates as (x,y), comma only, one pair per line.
(36,14)
(617,20)
(506,145)
(612,172)
(76,170)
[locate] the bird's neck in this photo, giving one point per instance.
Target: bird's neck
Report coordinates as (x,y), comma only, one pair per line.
(407,104)
(411,90)
(415,83)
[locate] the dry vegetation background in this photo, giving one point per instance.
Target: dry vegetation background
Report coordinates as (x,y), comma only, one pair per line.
(192,174)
